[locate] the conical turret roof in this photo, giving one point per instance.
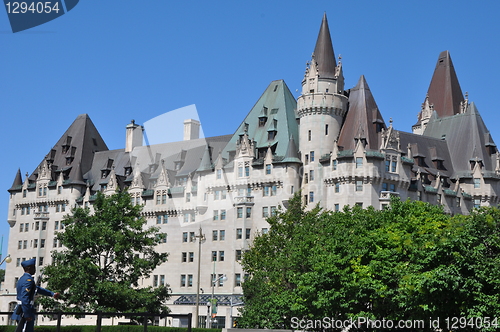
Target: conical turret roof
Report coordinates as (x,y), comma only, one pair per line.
(444,90)
(323,52)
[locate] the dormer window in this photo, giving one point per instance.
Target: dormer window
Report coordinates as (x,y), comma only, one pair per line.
(271,135)
(262,121)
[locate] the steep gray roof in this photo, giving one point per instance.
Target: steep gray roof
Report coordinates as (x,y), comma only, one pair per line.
(363,119)
(467,138)
(76,147)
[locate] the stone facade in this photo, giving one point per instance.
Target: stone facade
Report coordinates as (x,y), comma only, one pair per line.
(331,143)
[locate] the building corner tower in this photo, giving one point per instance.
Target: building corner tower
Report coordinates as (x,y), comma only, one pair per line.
(321,109)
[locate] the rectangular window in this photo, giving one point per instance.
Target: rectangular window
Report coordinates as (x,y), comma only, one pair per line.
(359,162)
(265,192)
(155,281)
(219,174)
(309,135)
(274,190)
(265,212)
(359,185)
(477,202)
(247,170)
(249,212)
(385,186)
(223,194)
(394,165)
(35,243)
(239,233)
(184,237)
(387,165)
(184,257)
(337,207)
(162,280)
(237,280)
(326,130)
(217,195)
(247,233)
(311,156)
(215,235)
(335,163)
(190,280)
(158,219)
(337,187)
(42,243)
(221,256)
(268,168)
(240,172)
(214,256)
(238,255)
(37,226)
(183,280)
(165,218)
(216,214)
(222,214)
(187,217)
(20,245)
(191,257)
(458,201)
(477,183)
(311,196)
(239,212)
(392,187)
(164,199)
(265,230)
(311,175)
(54,245)
(188,197)
(274,211)
(221,280)
(222,235)
(438,196)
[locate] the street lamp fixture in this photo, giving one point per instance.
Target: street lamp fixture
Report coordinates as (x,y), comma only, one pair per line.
(7,259)
(210,312)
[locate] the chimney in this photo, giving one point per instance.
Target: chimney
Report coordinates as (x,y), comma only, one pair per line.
(191,129)
(133,136)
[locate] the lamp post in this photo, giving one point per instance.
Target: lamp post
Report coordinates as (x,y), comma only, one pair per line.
(214,280)
(200,237)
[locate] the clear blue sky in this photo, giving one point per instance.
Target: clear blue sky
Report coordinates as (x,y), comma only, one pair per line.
(122,60)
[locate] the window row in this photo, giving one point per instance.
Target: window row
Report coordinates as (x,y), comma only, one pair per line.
(37,225)
(20,260)
(23,244)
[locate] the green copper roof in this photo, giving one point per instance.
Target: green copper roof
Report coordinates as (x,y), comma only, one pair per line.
(280,106)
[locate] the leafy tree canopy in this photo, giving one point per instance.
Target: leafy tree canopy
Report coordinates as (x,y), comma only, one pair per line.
(107,252)
(408,262)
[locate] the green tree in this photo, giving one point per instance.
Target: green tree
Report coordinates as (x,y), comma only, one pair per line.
(409,262)
(106,253)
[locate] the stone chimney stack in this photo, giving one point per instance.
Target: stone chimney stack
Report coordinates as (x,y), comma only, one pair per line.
(134,136)
(191,129)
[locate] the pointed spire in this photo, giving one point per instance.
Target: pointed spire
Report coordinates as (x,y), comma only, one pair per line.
(18,180)
(291,155)
(323,52)
(206,161)
(363,118)
(444,91)
(77,177)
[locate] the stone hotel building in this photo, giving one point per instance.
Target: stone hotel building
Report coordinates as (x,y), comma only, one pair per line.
(331,143)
